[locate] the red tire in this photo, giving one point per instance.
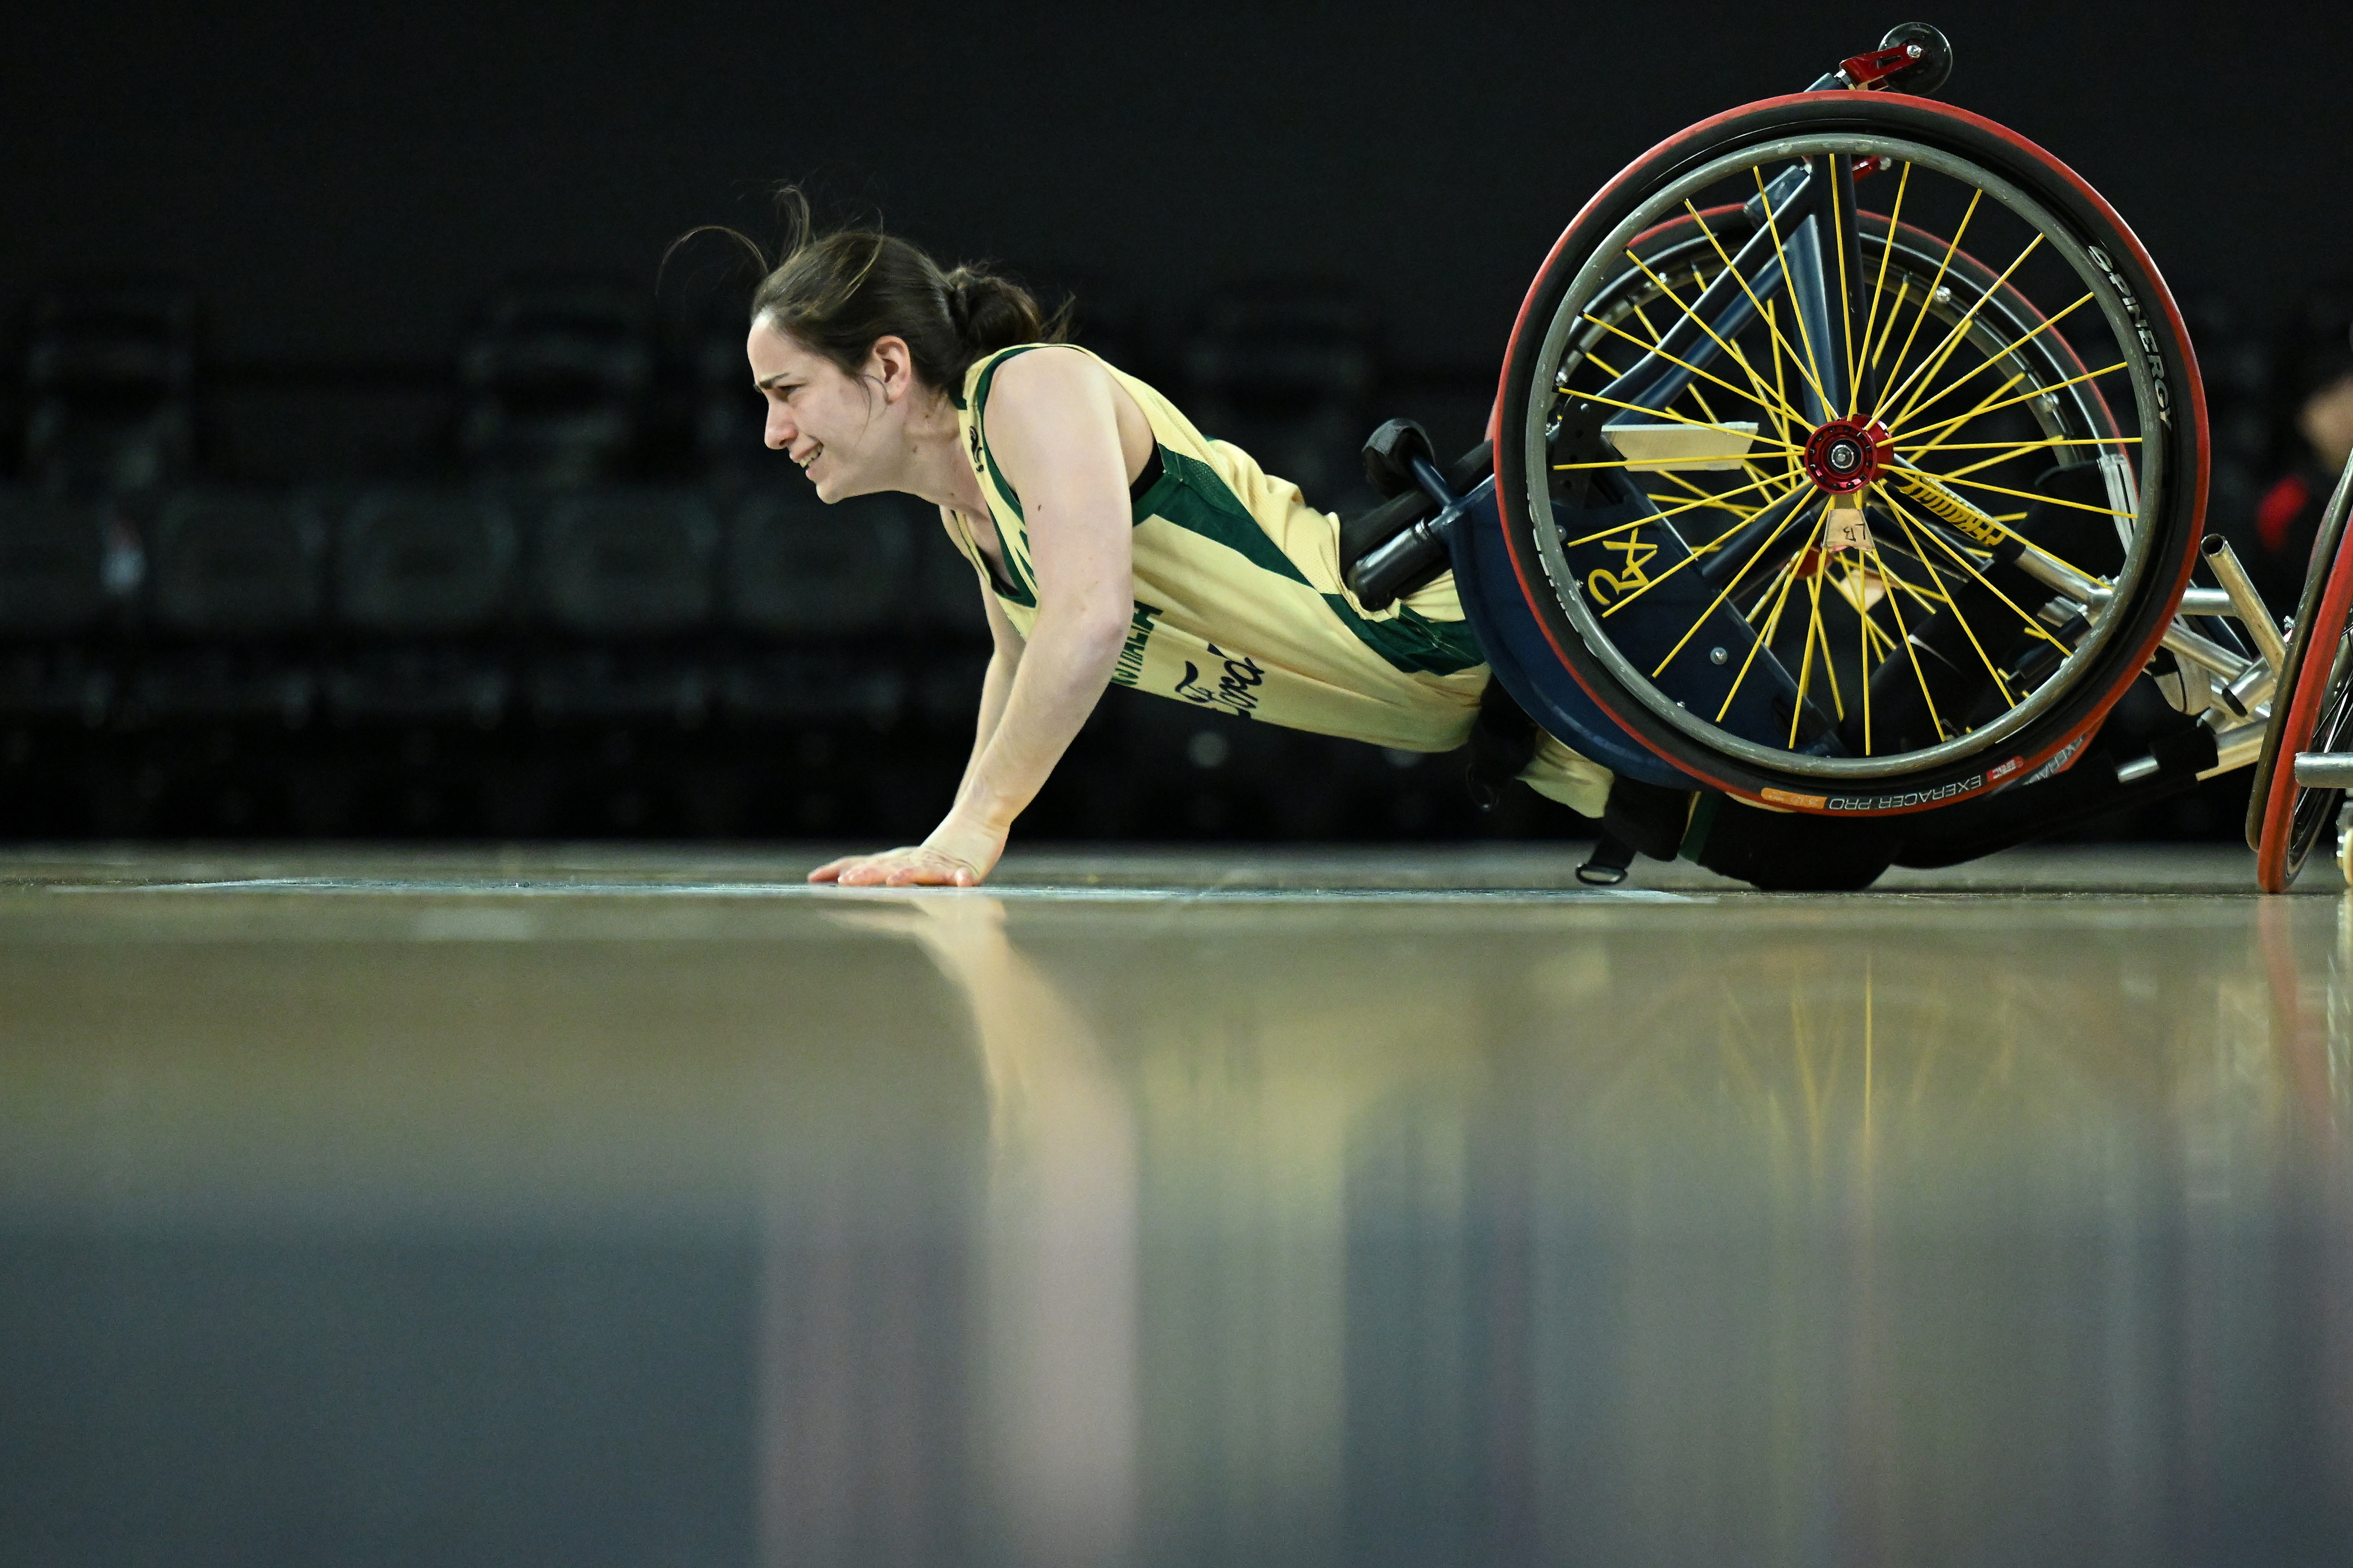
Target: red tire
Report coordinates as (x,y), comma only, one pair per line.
(2312,709)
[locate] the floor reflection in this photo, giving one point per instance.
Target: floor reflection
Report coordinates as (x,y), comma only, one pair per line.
(1025,1230)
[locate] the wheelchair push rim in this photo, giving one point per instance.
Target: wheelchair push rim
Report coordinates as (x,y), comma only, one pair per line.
(1838,407)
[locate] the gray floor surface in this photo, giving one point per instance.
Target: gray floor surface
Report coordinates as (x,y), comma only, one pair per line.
(645,1205)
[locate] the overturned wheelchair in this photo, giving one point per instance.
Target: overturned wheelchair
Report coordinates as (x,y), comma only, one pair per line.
(1849,463)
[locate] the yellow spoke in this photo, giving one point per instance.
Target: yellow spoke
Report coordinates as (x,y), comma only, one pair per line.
(1985,402)
(1863,620)
(1846,300)
(1710,548)
(1694,317)
(1967,630)
(1608,369)
(1895,606)
(1756,382)
(1739,511)
(1830,667)
(1913,588)
(1728,587)
(1903,288)
(1619,528)
(1995,461)
(1678,418)
(1661,464)
(1928,295)
(1757,643)
(1998,356)
(2022,397)
(1746,466)
(1708,497)
(1956,334)
(1671,359)
(2046,441)
(1854,586)
(1781,388)
(2047,501)
(1806,654)
(1781,418)
(1887,255)
(1805,337)
(2006,519)
(1718,247)
(1751,469)
(2033,624)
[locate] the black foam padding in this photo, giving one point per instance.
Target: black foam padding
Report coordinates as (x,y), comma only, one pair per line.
(1368,532)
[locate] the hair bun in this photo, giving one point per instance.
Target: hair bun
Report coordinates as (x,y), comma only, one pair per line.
(991,312)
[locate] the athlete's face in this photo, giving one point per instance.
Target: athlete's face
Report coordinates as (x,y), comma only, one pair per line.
(838,428)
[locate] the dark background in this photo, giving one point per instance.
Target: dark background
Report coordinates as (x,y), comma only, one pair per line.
(341,191)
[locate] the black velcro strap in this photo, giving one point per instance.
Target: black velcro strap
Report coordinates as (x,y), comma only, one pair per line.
(1605,866)
(1649,816)
(1504,741)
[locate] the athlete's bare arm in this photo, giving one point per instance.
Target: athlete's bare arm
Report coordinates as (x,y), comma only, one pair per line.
(1060,436)
(997,686)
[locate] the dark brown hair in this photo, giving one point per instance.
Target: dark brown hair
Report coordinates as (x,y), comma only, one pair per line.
(840,292)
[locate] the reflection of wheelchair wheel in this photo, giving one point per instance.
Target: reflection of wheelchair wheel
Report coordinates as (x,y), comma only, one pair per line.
(1854,508)
(2312,709)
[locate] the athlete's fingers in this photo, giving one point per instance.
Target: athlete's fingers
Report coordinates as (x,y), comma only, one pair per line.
(914,868)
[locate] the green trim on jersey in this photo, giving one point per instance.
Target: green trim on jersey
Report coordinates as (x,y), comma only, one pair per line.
(1198,501)
(1234,574)
(980,415)
(1413,641)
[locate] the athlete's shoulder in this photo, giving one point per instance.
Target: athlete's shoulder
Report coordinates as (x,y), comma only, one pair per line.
(1045,364)
(1043,384)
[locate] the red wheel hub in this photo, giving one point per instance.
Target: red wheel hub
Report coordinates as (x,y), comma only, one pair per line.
(1845,454)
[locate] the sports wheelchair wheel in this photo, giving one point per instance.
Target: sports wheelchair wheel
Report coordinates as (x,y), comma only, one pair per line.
(1843,507)
(2311,707)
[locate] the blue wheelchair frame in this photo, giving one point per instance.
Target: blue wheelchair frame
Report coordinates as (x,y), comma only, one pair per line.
(1517,646)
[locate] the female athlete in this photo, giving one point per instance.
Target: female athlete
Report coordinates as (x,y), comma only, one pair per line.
(1110,540)
(1113,543)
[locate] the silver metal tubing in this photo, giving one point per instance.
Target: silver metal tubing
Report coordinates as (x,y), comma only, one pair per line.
(2255,686)
(2088,592)
(2252,614)
(2206,652)
(2137,770)
(2325,770)
(2239,748)
(2194,601)
(2091,593)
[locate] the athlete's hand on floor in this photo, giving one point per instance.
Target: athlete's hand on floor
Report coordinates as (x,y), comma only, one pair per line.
(912,866)
(949,858)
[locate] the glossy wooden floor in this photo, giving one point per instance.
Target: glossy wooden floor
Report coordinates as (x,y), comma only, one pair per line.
(644,1208)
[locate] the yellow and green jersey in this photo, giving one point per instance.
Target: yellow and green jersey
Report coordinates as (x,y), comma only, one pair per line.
(1239,604)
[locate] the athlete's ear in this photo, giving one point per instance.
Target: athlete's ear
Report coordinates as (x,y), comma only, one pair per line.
(891,365)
